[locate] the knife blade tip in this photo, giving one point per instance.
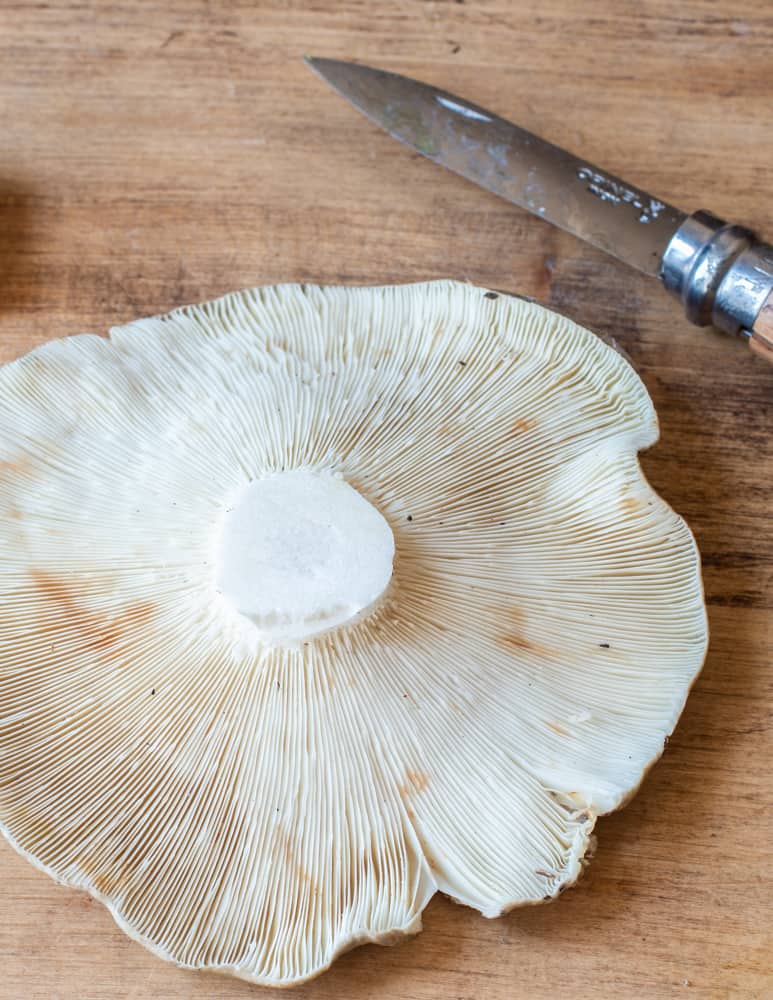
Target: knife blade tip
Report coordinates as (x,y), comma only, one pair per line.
(319,62)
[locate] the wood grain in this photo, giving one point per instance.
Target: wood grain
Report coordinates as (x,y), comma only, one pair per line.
(155,154)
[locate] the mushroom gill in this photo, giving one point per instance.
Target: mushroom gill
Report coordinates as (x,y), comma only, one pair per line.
(318,600)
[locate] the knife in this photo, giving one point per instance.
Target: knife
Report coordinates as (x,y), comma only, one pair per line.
(721,273)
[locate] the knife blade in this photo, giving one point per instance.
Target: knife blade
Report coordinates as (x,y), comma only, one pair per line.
(722,273)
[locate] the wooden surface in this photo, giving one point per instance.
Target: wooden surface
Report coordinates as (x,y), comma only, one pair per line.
(157,153)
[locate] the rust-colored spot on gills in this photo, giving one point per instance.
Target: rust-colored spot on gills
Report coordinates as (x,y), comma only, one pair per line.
(103,883)
(418,779)
(36,826)
(290,856)
(415,782)
(107,877)
(514,640)
(558,729)
(631,504)
(15,467)
(99,630)
(522,425)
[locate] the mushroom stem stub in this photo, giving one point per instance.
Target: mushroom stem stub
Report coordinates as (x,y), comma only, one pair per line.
(302,552)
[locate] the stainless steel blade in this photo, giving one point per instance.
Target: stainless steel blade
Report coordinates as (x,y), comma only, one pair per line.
(551,183)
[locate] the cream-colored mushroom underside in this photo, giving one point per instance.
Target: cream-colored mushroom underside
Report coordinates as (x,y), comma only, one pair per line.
(259,805)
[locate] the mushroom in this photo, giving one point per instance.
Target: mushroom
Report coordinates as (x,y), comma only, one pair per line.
(316,601)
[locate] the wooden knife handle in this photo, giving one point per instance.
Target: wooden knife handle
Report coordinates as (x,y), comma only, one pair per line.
(761,340)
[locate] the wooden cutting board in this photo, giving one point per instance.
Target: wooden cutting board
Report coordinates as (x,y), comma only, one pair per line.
(155,154)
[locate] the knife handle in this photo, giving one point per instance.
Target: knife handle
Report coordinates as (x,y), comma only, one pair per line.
(761,340)
(723,276)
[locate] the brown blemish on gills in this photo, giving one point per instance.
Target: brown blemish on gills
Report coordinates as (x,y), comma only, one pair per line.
(418,779)
(109,875)
(99,631)
(415,783)
(289,853)
(35,825)
(15,467)
(514,640)
(631,504)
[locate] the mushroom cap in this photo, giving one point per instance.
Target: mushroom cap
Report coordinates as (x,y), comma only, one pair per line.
(254,780)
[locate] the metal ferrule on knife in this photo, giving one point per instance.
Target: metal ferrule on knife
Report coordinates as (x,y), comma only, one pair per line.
(720,272)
